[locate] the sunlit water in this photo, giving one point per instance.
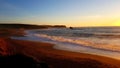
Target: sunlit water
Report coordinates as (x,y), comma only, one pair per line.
(99,41)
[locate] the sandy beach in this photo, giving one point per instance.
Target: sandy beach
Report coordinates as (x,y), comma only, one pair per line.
(59,33)
(43,52)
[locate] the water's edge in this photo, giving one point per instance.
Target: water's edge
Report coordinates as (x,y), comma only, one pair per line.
(69,47)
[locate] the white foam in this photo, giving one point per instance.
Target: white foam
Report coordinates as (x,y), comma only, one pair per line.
(81,41)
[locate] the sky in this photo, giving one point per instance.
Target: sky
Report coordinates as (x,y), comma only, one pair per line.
(77,13)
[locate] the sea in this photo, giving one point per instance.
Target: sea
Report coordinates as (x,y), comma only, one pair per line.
(103,41)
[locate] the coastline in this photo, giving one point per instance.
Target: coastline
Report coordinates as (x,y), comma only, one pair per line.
(54,58)
(80,48)
(43,52)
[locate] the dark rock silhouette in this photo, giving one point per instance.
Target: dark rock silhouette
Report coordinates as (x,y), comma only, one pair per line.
(71,27)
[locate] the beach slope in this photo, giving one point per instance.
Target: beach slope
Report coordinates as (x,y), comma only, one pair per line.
(44,53)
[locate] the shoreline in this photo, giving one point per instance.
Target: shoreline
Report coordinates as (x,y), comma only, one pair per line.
(82,48)
(43,52)
(54,58)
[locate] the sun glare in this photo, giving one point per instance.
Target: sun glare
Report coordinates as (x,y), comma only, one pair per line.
(117,23)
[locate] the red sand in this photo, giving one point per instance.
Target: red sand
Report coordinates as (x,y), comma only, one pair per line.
(43,52)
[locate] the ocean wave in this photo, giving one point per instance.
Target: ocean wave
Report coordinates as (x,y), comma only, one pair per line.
(98,35)
(87,43)
(80,33)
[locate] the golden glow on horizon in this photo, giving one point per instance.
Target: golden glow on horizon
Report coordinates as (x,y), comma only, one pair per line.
(83,24)
(117,23)
(95,23)
(76,21)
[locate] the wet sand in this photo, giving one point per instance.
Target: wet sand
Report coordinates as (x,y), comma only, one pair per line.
(44,52)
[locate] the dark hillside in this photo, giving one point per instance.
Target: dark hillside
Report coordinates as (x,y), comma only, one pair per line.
(29,26)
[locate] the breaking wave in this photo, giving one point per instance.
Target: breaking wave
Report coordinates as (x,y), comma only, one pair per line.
(96,43)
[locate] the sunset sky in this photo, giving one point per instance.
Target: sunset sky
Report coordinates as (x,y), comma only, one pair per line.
(61,12)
